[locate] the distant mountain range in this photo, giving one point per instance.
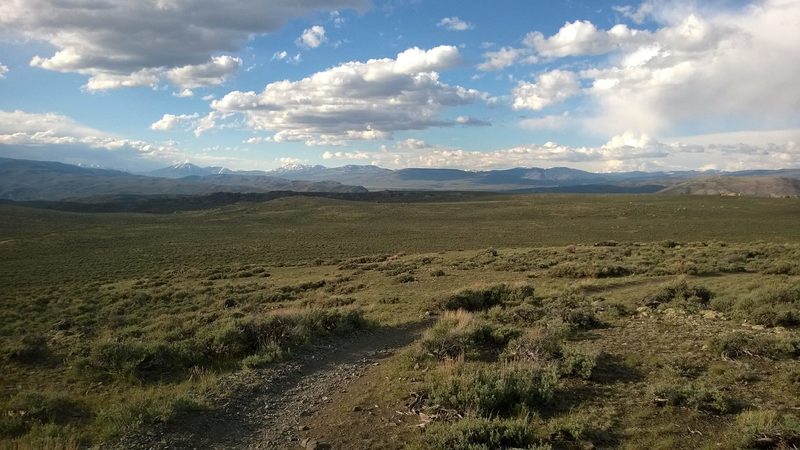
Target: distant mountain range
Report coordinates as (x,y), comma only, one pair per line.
(377,178)
(557,179)
(24,180)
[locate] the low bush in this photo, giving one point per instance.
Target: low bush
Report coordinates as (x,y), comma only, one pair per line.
(257,339)
(481,434)
(771,306)
(681,293)
(483,299)
(536,345)
(739,345)
(575,311)
(31,349)
(570,270)
(29,409)
(500,389)
(459,333)
(586,428)
(577,363)
(684,367)
(791,378)
(766,429)
(783,267)
(542,346)
(48,436)
(694,396)
(611,271)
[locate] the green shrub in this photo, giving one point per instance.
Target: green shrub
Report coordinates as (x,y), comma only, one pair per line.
(543,346)
(739,344)
(227,341)
(406,278)
(611,271)
(783,268)
(271,353)
(771,306)
(588,427)
(791,378)
(504,389)
(682,293)
(570,270)
(578,363)
(766,429)
(694,396)
(536,345)
(117,418)
(164,362)
(684,367)
(575,311)
(111,360)
(483,299)
(458,333)
(480,434)
(47,436)
(28,409)
(31,349)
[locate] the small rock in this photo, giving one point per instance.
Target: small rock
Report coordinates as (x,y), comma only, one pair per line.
(356,408)
(313,444)
(302,428)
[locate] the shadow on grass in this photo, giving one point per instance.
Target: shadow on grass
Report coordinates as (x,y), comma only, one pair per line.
(612,368)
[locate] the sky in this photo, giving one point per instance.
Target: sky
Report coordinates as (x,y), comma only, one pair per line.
(599,85)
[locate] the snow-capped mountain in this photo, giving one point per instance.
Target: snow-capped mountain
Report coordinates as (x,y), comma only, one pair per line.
(187,169)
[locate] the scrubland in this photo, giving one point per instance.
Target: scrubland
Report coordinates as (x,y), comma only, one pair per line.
(549,321)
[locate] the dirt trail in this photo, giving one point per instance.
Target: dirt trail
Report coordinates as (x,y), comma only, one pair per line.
(262,408)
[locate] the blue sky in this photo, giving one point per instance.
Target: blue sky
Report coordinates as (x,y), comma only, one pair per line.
(257,84)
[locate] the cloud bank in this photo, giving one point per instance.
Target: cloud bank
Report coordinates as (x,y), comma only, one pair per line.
(698,68)
(123,43)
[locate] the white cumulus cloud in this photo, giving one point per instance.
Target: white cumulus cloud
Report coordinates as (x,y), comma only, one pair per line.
(504,57)
(215,71)
(312,37)
(455,24)
(550,88)
(171,121)
(184,93)
(356,100)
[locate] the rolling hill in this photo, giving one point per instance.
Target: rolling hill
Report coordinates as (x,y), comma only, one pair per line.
(749,186)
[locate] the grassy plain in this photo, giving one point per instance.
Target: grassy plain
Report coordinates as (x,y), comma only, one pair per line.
(613,321)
